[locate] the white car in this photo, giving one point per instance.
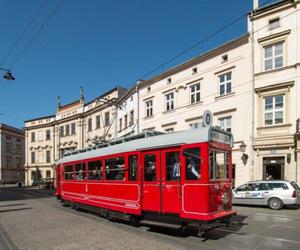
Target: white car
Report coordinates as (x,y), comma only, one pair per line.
(275,193)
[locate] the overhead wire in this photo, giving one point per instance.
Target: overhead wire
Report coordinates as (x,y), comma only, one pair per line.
(193,46)
(36,33)
(10,51)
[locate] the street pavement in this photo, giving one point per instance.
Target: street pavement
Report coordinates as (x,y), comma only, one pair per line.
(34,219)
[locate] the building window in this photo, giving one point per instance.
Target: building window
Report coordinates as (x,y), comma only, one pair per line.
(125,121)
(61,131)
(274,23)
(148,89)
(48,134)
(169,80)
(8,162)
(274,110)
(32,157)
(195,125)
(18,162)
(225,83)
(195,93)
(73,128)
(8,147)
(48,156)
(225,123)
(225,58)
(169,130)
(273,56)
(67,129)
(149,108)
(32,136)
(106,119)
(48,174)
(120,124)
(97,121)
(131,119)
(8,138)
(169,101)
(195,70)
(90,124)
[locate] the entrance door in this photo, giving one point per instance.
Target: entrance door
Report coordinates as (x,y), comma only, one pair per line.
(274,168)
(151,181)
(171,186)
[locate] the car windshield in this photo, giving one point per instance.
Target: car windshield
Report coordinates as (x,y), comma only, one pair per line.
(295,185)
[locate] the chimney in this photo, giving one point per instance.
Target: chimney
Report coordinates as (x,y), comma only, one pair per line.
(255,4)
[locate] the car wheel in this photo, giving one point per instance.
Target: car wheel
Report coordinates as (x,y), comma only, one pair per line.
(275,203)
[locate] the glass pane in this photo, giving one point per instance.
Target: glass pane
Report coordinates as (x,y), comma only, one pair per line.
(150,167)
(228,122)
(222,89)
(278,49)
(268,52)
(268,118)
(198,87)
(220,171)
(228,76)
(228,87)
(268,64)
(268,103)
(172,166)
(222,123)
(133,163)
(198,97)
(192,163)
(222,78)
(278,102)
(94,170)
(114,168)
(80,173)
(278,62)
(279,117)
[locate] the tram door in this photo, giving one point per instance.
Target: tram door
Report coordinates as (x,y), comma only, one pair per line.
(151,184)
(171,176)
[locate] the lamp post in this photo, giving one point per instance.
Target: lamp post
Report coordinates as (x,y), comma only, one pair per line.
(8,75)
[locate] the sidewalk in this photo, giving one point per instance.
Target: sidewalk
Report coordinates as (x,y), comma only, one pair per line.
(49,191)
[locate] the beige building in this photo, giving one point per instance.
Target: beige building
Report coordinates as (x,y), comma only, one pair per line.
(76,125)
(11,154)
(275,30)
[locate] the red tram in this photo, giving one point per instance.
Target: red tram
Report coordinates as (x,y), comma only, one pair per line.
(177,178)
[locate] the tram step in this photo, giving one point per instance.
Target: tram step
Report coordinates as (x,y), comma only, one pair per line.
(159,224)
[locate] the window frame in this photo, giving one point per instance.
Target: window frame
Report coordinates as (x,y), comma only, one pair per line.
(273,57)
(273,111)
(195,93)
(169,102)
(149,108)
(225,83)
(225,119)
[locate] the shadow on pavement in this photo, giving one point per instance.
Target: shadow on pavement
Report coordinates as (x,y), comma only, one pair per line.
(13,193)
(212,231)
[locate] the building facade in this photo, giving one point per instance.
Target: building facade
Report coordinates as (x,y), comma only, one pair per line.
(219,81)
(12,154)
(275,32)
(74,126)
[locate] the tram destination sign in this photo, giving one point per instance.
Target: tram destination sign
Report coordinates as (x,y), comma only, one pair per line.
(218,136)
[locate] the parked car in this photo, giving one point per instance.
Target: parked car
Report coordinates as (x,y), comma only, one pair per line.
(274,193)
(47,183)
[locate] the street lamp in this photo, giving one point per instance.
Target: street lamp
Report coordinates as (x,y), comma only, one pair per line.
(8,75)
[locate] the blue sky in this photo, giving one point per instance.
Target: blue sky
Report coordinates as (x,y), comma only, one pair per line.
(99,44)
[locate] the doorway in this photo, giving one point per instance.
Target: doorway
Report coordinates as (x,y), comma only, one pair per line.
(273,168)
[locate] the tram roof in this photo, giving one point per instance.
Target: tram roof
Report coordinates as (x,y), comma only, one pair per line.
(203,134)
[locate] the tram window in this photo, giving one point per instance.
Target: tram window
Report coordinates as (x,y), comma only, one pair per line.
(94,170)
(219,164)
(150,167)
(80,172)
(172,166)
(192,163)
(68,172)
(133,163)
(114,168)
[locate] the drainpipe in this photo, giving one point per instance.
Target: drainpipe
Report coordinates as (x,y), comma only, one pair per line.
(253,94)
(138,107)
